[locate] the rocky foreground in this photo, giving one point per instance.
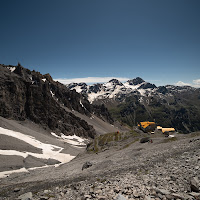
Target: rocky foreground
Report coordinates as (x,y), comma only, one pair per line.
(166,169)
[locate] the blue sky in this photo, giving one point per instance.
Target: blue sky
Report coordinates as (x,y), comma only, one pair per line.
(156,40)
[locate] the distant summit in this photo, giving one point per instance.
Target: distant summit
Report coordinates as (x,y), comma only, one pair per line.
(136,81)
(113,89)
(115,82)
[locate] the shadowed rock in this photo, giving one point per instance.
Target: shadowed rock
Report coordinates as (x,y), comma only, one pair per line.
(144,140)
(86,165)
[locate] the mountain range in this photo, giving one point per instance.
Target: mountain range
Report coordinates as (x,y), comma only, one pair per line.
(87,110)
(137,100)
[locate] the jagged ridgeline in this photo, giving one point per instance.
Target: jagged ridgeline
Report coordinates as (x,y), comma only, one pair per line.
(26,94)
(137,100)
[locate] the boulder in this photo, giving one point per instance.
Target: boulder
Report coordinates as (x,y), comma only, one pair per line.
(144,140)
(182,196)
(195,184)
(195,195)
(26,196)
(86,165)
(120,197)
(147,198)
(162,191)
(17,189)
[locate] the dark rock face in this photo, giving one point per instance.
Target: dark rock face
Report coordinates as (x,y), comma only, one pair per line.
(115,82)
(83,86)
(162,89)
(26,94)
(147,86)
(103,113)
(136,81)
(95,88)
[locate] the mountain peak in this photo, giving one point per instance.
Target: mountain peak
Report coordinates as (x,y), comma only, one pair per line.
(136,81)
(115,82)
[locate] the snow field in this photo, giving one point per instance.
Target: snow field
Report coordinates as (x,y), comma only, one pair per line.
(49,151)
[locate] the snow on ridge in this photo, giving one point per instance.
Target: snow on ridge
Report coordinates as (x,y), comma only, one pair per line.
(12,69)
(116,91)
(133,87)
(78,89)
(142,92)
(108,85)
(92,96)
(111,90)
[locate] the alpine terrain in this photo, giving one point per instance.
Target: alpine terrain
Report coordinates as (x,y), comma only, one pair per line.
(83,142)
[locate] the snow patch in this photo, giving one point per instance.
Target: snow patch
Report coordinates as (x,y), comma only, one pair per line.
(44,79)
(55,135)
(52,94)
(12,69)
(71,139)
(92,117)
(78,89)
(82,104)
(13,152)
(49,151)
(142,92)
(7,173)
(92,96)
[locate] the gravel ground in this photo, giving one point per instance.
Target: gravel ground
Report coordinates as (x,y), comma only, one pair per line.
(164,169)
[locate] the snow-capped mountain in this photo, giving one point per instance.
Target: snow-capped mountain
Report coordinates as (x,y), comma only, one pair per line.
(114,89)
(137,100)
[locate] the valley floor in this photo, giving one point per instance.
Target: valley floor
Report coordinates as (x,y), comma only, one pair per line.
(168,168)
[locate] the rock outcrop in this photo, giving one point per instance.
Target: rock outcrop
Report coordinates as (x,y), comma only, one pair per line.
(26,94)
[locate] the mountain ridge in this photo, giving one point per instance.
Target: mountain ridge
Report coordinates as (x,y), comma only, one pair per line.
(115,87)
(27,94)
(137,100)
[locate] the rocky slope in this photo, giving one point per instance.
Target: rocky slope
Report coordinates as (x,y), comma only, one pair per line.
(137,100)
(26,94)
(166,169)
(25,146)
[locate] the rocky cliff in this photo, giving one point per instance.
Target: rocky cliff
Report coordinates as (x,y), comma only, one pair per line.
(26,94)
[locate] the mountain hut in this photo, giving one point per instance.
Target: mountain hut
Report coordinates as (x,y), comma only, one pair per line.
(147,126)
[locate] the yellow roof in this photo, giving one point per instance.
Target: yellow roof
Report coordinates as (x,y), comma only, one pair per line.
(167,129)
(159,127)
(145,124)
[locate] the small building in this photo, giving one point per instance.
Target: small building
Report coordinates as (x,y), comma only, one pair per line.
(168,130)
(147,126)
(165,130)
